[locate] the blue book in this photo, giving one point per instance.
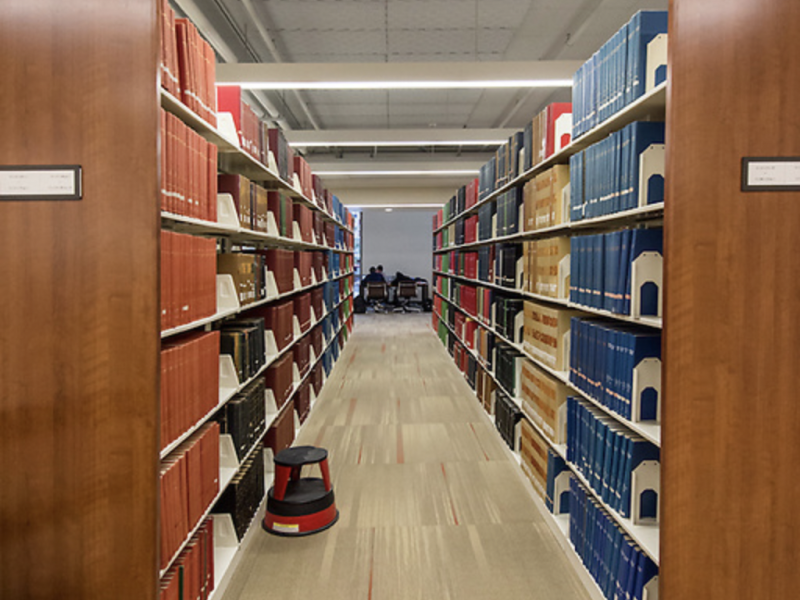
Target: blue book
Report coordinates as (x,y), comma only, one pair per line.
(625,189)
(646,25)
(613,565)
(623,567)
(600,429)
(597,290)
(613,474)
(621,68)
(608,455)
(623,274)
(611,361)
(645,571)
(643,240)
(642,135)
(611,260)
(633,569)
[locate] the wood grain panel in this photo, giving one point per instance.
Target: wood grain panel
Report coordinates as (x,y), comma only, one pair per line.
(731,461)
(79,339)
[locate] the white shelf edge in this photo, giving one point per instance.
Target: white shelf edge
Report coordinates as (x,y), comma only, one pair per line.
(652,322)
(224,314)
(651,210)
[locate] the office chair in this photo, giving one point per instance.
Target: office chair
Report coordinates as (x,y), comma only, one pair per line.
(406,292)
(375,295)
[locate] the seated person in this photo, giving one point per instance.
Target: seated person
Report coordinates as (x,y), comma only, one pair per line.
(373,277)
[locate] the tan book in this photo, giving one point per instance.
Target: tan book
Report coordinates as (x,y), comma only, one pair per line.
(546,334)
(544,400)
(533,451)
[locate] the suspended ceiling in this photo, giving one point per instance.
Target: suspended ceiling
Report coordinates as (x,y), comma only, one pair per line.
(409,31)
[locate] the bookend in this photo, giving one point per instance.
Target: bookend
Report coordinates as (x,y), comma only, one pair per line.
(227,298)
(646,392)
(646,493)
(656,67)
(561,492)
(647,285)
(226,212)
(227,128)
(652,167)
(228,380)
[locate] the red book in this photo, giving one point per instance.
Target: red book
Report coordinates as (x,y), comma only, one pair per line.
(279,378)
(300,353)
(302,401)
(280,435)
(558,123)
(302,310)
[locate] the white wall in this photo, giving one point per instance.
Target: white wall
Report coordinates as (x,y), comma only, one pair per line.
(400,240)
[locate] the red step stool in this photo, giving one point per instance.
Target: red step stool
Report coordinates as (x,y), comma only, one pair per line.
(298,505)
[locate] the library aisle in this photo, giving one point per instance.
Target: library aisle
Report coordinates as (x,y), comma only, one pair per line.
(431,503)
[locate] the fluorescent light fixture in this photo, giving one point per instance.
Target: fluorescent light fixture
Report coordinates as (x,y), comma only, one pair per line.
(391,206)
(395,173)
(398,143)
(402,85)
(388,209)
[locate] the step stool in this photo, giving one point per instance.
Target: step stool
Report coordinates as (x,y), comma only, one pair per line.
(297,505)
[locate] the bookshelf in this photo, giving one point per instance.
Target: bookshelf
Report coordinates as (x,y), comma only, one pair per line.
(524,338)
(81,351)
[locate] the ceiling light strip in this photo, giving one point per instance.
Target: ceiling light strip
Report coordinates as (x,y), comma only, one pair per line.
(396,173)
(399,143)
(402,85)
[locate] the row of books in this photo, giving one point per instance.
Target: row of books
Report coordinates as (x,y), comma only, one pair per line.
(609,455)
(620,567)
(615,75)
(188,64)
(188,279)
(507,417)
(192,574)
(540,203)
(546,334)
(603,271)
(546,267)
(188,171)
(189,484)
(507,367)
(547,133)
(244,493)
(252,271)
(244,341)
(244,417)
(465,198)
(189,382)
(259,140)
(617,365)
(611,176)
(275,212)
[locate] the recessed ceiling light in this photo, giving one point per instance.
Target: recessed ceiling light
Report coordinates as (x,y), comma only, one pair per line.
(389,209)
